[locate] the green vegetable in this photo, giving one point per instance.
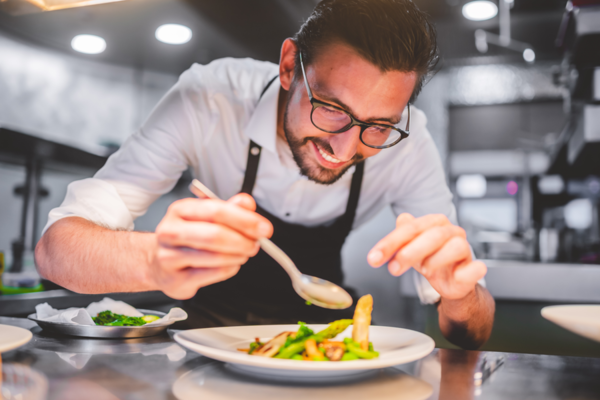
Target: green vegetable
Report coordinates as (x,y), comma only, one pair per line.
(289,351)
(308,303)
(296,345)
(297,357)
(349,357)
(108,318)
(334,329)
(355,349)
(254,346)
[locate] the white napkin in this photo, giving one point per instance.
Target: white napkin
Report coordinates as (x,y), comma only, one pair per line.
(83,316)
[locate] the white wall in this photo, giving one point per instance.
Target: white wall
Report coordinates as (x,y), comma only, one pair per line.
(69,99)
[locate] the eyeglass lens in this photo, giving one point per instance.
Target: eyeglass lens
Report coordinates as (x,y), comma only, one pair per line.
(333,120)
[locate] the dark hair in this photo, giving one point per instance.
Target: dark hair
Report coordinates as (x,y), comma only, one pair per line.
(392,34)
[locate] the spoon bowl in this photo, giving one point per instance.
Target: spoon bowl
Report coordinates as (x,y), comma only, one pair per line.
(317,291)
(322,293)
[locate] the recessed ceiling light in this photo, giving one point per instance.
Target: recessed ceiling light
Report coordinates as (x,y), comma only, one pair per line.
(480,10)
(173,34)
(88,44)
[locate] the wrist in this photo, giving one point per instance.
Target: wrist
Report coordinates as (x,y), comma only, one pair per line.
(147,260)
(459,309)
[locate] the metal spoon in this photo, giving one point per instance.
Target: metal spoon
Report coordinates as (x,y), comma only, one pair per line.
(317,291)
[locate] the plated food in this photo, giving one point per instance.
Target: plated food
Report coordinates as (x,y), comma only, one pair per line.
(393,346)
(306,345)
(108,318)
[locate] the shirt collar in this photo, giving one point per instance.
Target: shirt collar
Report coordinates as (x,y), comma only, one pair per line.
(262,127)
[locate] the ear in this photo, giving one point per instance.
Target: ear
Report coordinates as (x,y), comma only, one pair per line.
(287,63)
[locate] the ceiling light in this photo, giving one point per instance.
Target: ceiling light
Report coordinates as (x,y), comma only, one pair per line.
(173,34)
(529,55)
(480,10)
(88,44)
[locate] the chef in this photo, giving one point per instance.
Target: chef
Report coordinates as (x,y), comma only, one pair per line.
(305,152)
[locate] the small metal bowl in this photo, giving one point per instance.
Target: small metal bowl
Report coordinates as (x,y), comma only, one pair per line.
(99,331)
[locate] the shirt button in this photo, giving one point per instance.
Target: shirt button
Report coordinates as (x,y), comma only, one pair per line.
(254,151)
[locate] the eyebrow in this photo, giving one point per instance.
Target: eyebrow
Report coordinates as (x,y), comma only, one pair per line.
(340,104)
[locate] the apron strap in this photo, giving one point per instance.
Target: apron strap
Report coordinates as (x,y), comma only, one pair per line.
(357,178)
(251,167)
(254,155)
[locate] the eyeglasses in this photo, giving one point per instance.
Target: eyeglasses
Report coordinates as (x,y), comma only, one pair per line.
(332,119)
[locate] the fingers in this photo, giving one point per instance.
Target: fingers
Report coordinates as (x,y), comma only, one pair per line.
(186,283)
(403,219)
(206,236)
(455,251)
(407,228)
(176,258)
(428,243)
(243,220)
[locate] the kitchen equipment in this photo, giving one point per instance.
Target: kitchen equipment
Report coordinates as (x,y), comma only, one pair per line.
(395,346)
(317,291)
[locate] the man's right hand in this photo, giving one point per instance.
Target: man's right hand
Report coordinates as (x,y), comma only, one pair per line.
(201,242)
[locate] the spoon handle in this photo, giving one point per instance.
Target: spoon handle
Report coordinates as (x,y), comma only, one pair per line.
(201,191)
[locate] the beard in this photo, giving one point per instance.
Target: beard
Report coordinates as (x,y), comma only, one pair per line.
(309,167)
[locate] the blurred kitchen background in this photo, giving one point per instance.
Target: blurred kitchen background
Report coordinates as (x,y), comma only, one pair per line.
(514,109)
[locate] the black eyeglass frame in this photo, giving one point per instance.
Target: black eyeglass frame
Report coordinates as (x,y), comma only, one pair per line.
(353,121)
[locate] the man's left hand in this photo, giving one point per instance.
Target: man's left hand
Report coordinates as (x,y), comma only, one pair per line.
(434,247)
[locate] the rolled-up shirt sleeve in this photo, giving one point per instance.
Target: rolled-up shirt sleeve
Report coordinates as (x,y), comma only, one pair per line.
(146,166)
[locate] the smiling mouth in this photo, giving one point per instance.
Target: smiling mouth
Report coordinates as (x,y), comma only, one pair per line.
(328,157)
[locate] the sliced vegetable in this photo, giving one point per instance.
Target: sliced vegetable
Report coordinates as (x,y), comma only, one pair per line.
(150,318)
(312,351)
(272,346)
(362,321)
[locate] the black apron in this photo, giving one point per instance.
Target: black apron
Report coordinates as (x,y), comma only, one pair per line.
(261,292)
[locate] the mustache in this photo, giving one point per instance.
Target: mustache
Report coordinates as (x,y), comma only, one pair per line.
(327,147)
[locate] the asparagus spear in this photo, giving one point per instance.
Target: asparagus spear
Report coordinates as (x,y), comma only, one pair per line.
(334,329)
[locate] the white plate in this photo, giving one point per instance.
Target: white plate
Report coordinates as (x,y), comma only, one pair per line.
(12,337)
(395,346)
(583,320)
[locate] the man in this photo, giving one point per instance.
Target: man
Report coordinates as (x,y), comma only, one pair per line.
(322,142)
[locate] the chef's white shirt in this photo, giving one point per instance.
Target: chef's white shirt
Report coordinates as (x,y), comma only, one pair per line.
(207,120)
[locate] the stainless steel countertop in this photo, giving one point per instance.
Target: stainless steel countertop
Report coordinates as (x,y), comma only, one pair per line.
(157,368)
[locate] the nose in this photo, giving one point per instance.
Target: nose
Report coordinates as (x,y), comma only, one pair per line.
(345,144)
